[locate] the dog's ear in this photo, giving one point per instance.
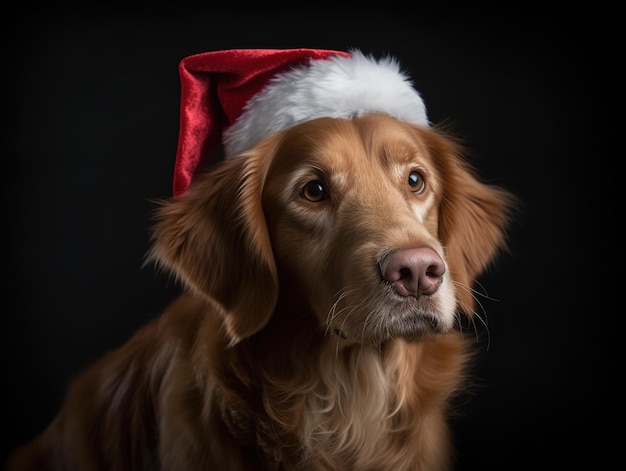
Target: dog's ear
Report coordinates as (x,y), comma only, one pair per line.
(214,238)
(473,216)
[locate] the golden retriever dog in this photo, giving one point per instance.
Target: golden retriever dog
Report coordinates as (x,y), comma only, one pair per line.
(327,272)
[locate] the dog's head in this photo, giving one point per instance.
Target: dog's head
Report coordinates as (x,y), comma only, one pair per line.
(376,226)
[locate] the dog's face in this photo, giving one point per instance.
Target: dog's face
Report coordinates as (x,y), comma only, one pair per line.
(353,214)
(376,226)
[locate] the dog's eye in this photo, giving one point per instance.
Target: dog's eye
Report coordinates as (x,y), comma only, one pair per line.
(416,182)
(314,191)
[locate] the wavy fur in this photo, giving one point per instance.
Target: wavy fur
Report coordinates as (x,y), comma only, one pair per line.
(290,350)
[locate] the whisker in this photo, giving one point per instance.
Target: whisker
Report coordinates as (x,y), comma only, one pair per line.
(486,328)
(483,294)
(475,296)
(332,313)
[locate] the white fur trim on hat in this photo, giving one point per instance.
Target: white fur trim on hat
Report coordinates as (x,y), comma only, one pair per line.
(339,87)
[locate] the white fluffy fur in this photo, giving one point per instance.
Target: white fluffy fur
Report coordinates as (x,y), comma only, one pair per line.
(339,87)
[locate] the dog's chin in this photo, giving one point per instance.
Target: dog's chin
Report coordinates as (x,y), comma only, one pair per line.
(413,328)
(417,327)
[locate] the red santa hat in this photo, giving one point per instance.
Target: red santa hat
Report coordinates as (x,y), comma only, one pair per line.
(235,98)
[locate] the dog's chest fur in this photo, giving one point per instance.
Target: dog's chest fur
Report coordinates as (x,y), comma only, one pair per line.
(358,407)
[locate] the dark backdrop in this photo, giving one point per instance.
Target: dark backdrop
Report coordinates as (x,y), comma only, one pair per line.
(92,119)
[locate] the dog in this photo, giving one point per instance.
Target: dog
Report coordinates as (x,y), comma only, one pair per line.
(327,273)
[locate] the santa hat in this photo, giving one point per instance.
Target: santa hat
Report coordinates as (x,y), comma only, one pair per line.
(235,98)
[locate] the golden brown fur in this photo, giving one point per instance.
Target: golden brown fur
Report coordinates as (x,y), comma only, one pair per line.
(290,350)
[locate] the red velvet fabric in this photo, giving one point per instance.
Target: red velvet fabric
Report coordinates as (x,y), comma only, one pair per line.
(215,86)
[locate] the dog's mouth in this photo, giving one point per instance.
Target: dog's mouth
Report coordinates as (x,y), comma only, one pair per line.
(383,312)
(417,326)
(408,326)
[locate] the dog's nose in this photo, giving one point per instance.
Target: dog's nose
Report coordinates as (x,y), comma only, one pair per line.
(413,271)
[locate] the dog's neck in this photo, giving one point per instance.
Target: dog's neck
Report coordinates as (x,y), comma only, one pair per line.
(311,391)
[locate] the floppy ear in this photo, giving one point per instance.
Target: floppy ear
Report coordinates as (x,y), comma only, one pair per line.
(473,217)
(214,238)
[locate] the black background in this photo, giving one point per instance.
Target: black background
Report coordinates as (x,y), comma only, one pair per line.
(92,119)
